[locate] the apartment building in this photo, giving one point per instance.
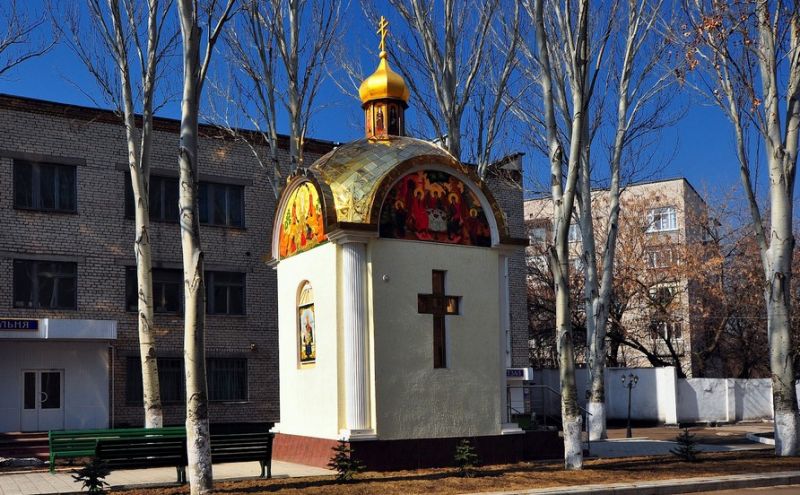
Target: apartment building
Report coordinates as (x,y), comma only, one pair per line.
(657,315)
(69,355)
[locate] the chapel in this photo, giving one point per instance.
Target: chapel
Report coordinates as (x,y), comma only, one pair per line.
(391,260)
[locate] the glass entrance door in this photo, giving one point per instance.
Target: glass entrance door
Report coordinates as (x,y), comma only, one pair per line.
(42,400)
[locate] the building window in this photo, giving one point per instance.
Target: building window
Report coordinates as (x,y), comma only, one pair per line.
(574,234)
(227,379)
(167,290)
(662,219)
(666,330)
(538,263)
(225,293)
(163,198)
(663,295)
(538,235)
(170,380)
(221,204)
(659,258)
(45,284)
(45,186)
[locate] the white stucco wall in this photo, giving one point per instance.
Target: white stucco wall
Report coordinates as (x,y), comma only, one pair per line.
(754,399)
(414,400)
(310,394)
(86,383)
(703,399)
(724,400)
(654,397)
(659,396)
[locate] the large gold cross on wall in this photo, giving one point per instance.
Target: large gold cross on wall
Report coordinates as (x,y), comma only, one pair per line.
(383,30)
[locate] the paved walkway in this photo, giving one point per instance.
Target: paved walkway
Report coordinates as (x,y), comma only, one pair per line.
(660,440)
(39,483)
(738,483)
(647,441)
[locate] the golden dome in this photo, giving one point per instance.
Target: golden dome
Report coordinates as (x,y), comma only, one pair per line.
(383,83)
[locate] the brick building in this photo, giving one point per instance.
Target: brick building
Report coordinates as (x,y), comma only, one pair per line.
(662,232)
(69,354)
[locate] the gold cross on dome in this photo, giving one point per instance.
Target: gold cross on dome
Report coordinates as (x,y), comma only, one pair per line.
(383,30)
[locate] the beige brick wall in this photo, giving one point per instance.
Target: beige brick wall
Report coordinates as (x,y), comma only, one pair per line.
(100,239)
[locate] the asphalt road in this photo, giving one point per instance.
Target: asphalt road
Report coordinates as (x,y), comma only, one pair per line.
(768,490)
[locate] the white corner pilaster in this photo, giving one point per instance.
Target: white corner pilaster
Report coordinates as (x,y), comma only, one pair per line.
(356,346)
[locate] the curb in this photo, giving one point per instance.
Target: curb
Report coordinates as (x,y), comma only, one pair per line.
(668,487)
(759,439)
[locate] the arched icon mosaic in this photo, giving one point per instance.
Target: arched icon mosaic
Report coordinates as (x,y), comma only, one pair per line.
(431,205)
(302,226)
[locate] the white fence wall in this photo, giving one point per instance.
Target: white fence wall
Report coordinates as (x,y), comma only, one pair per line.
(660,396)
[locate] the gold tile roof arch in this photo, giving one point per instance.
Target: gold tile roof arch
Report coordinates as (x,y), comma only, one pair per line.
(356,176)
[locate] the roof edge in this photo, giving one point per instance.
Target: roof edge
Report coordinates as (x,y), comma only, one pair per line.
(164,124)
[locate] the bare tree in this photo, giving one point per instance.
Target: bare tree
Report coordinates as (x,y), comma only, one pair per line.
(212,16)
(19,36)
(124,53)
(562,48)
(746,58)
(298,34)
(639,82)
(447,63)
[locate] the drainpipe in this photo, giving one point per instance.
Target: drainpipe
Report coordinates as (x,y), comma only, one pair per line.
(111,377)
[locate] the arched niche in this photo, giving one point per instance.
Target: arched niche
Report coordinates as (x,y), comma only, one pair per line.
(306,325)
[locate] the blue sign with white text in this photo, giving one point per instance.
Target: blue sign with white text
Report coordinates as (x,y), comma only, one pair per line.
(18,324)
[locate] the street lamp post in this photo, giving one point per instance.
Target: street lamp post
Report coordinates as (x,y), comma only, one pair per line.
(629,381)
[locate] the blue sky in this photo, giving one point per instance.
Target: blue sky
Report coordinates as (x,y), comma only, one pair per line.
(700,145)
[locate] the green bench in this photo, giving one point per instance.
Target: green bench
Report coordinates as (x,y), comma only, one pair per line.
(70,444)
(132,448)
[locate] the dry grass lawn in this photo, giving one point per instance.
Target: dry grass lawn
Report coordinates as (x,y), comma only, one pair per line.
(508,477)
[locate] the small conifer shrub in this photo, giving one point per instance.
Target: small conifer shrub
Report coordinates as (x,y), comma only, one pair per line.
(687,447)
(466,458)
(343,463)
(92,476)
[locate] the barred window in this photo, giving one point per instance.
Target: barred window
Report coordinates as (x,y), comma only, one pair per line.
(170,378)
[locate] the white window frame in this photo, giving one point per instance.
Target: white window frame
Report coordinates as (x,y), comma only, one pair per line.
(666,329)
(538,235)
(659,258)
(574,234)
(662,219)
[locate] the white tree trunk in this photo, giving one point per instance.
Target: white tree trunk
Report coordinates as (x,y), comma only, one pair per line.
(197,422)
(777,294)
(151,395)
(563,202)
(139,163)
(781,147)
(570,414)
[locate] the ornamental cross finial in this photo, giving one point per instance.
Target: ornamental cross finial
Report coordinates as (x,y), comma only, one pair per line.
(383,30)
